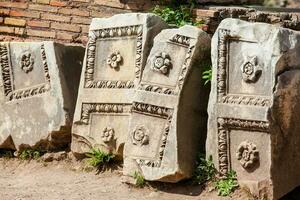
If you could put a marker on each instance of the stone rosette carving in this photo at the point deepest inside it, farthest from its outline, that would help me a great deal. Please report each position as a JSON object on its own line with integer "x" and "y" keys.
{"x": 27, "y": 62}
{"x": 108, "y": 134}
{"x": 114, "y": 60}
{"x": 162, "y": 63}
{"x": 251, "y": 69}
{"x": 247, "y": 154}
{"x": 140, "y": 136}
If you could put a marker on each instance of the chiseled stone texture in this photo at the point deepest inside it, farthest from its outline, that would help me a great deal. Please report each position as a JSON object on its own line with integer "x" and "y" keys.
{"x": 254, "y": 106}
{"x": 236, "y": 2}
{"x": 168, "y": 120}
{"x": 38, "y": 90}
{"x": 115, "y": 57}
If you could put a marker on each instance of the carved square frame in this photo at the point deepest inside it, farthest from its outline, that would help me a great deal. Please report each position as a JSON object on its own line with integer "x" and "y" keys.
{"x": 163, "y": 113}
{"x": 225, "y": 125}
{"x": 182, "y": 41}
{"x": 7, "y": 75}
{"x": 89, "y": 81}
{"x": 224, "y": 37}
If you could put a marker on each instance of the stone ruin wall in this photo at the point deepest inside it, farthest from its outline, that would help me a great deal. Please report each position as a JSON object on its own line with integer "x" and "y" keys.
{"x": 68, "y": 21}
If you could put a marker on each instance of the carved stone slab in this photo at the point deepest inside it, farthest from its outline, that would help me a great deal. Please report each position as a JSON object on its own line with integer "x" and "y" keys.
{"x": 38, "y": 89}
{"x": 115, "y": 57}
{"x": 254, "y": 105}
{"x": 168, "y": 120}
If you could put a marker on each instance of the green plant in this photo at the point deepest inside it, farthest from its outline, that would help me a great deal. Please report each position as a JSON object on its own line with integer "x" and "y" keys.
{"x": 227, "y": 185}
{"x": 207, "y": 76}
{"x": 205, "y": 170}
{"x": 97, "y": 158}
{"x": 28, "y": 154}
{"x": 139, "y": 179}
{"x": 176, "y": 15}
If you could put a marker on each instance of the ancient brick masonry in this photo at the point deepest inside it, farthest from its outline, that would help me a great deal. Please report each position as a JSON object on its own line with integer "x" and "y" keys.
{"x": 253, "y": 125}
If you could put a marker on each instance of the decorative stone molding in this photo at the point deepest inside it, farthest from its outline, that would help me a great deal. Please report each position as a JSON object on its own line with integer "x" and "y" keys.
{"x": 162, "y": 112}
{"x": 132, "y": 31}
{"x": 185, "y": 42}
{"x": 223, "y": 96}
{"x": 108, "y": 134}
{"x": 114, "y": 60}
{"x": 224, "y": 127}
{"x": 140, "y": 136}
{"x": 27, "y": 62}
{"x": 247, "y": 154}
{"x": 88, "y": 108}
{"x": 251, "y": 70}
{"x": 162, "y": 63}
{"x": 9, "y": 91}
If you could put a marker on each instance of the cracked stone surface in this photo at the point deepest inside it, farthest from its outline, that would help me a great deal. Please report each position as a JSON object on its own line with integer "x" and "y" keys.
{"x": 253, "y": 126}
{"x": 168, "y": 117}
{"x": 114, "y": 61}
{"x": 38, "y": 90}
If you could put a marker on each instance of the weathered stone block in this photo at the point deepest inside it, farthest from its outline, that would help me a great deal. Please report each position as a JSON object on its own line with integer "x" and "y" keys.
{"x": 254, "y": 105}
{"x": 38, "y": 90}
{"x": 223, "y": 2}
{"x": 115, "y": 58}
{"x": 167, "y": 126}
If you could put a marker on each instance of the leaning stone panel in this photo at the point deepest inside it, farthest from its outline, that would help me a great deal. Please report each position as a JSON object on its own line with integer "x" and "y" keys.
{"x": 168, "y": 119}
{"x": 113, "y": 65}
{"x": 254, "y": 105}
{"x": 38, "y": 89}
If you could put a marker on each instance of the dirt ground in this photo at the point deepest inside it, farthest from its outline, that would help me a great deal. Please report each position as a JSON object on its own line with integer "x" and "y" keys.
{"x": 66, "y": 180}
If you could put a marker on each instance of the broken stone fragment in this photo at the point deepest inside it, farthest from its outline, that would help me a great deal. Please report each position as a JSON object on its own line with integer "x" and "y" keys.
{"x": 254, "y": 106}
{"x": 114, "y": 61}
{"x": 38, "y": 90}
{"x": 168, "y": 116}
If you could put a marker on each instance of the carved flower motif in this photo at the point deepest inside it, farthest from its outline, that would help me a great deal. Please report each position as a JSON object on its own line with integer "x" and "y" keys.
{"x": 114, "y": 60}
{"x": 108, "y": 134}
{"x": 27, "y": 62}
{"x": 251, "y": 70}
{"x": 247, "y": 154}
{"x": 140, "y": 136}
{"x": 162, "y": 63}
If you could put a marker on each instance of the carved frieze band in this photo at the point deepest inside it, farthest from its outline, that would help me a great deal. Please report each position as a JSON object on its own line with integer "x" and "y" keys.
{"x": 223, "y": 97}
{"x": 186, "y": 43}
{"x": 88, "y": 108}
{"x": 136, "y": 31}
{"x": 224, "y": 127}
{"x": 165, "y": 113}
{"x": 7, "y": 76}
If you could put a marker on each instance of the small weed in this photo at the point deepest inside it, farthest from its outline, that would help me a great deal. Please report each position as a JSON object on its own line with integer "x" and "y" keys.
{"x": 207, "y": 75}
{"x": 98, "y": 158}
{"x": 227, "y": 185}
{"x": 205, "y": 170}
{"x": 139, "y": 179}
{"x": 177, "y": 15}
{"x": 28, "y": 154}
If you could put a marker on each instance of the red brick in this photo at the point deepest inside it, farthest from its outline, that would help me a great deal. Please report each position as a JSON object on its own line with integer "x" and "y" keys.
{"x": 19, "y": 31}
{"x": 43, "y": 1}
{"x": 110, "y": 3}
{"x": 43, "y": 8}
{"x": 81, "y": 20}
{"x": 13, "y": 5}
{"x": 40, "y": 33}
{"x": 57, "y": 3}
{"x": 1, "y": 20}
{"x": 21, "y": 13}
{"x": 6, "y": 29}
{"x": 65, "y": 36}
{"x": 84, "y": 29}
{"x": 35, "y": 23}
{"x": 54, "y": 17}
{"x": 4, "y": 12}
{"x": 205, "y": 13}
{"x": 65, "y": 27}
{"x": 14, "y": 21}
{"x": 86, "y": 1}
{"x": 101, "y": 14}
{"x": 73, "y": 11}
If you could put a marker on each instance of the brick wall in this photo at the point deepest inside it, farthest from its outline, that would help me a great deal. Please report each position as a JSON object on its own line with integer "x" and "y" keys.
{"x": 59, "y": 20}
